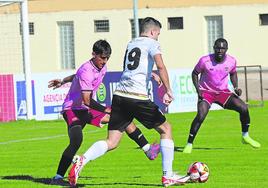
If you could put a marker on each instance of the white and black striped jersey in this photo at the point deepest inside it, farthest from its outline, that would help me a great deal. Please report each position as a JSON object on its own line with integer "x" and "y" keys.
{"x": 138, "y": 65}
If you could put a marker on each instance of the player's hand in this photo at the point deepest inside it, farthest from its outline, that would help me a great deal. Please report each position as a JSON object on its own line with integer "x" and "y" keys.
{"x": 157, "y": 79}
{"x": 56, "y": 83}
{"x": 107, "y": 110}
{"x": 168, "y": 98}
{"x": 105, "y": 119}
{"x": 238, "y": 91}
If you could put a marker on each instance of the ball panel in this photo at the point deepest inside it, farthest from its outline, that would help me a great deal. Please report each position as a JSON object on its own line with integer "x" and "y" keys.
{"x": 198, "y": 172}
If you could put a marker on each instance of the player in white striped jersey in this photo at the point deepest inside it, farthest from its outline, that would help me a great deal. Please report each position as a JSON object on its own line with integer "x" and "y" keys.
{"x": 138, "y": 67}
{"x": 131, "y": 100}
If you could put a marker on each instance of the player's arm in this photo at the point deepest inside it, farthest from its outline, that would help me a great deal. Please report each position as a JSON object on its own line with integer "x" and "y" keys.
{"x": 90, "y": 102}
{"x": 195, "y": 81}
{"x": 56, "y": 83}
{"x": 168, "y": 97}
{"x": 234, "y": 80}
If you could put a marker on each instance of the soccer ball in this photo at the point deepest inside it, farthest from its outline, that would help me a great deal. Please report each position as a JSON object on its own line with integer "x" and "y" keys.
{"x": 198, "y": 172}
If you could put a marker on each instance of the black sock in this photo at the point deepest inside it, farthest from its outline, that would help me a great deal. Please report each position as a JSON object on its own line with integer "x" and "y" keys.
{"x": 245, "y": 128}
{"x": 191, "y": 138}
{"x": 64, "y": 164}
{"x": 76, "y": 138}
{"x": 194, "y": 129}
{"x": 138, "y": 137}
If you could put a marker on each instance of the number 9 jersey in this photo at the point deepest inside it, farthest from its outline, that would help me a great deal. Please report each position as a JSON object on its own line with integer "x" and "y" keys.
{"x": 138, "y": 65}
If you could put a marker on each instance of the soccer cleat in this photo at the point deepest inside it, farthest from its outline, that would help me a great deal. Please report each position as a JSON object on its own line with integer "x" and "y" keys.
{"x": 248, "y": 140}
{"x": 75, "y": 170}
{"x": 174, "y": 179}
{"x": 188, "y": 148}
{"x": 60, "y": 182}
{"x": 152, "y": 153}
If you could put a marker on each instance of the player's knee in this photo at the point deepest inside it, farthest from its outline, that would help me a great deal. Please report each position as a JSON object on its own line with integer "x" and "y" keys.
{"x": 165, "y": 128}
{"x": 112, "y": 144}
{"x": 131, "y": 128}
{"x": 76, "y": 142}
{"x": 200, "y": 118}
{"x": 245, "y": 108}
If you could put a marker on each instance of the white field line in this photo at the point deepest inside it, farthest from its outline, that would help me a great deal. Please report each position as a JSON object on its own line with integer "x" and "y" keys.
{"x": 40, "y": 138}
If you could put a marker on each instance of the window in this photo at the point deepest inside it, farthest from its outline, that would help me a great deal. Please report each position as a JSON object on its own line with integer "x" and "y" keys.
{"x": 31, "y": 28}
{"x": 175, "y": 23}
{"x": 101, "y": 26}
{"x": 66, "y": 34}
{"x": 133, "y": 27}
{"x": 263, "y": 19}
{"x": 214, "y": 30}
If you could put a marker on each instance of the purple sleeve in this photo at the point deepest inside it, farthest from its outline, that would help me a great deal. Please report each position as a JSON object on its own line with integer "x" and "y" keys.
{"x": 233, "y": 70}
{"x": 199, "y": 66}
{"x": 85, "y": 81}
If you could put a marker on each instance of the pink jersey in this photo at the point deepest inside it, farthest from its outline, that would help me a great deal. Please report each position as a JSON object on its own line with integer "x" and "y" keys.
{"x": 88, "y": 78}
{"x": 214, "y": 76}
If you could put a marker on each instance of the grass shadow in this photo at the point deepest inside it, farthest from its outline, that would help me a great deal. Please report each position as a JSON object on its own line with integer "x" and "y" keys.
{"x": 180, "y": 149}
{"x": 126, "y": 184}
{"x": 46, "y": 181}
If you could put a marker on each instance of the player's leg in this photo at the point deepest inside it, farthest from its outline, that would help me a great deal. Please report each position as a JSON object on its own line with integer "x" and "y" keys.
{"x": 99, "y": 119}
{"x": 202, "y": 111}
{"x": 97, "y": 150}
{"x": 75, "y": 139}
{"x": 150, "y": 116}
{"x": 120, "y": 119}
{"x": 238, "y": 105}
{"x": 167, "y": 151}
{"x": 150, "y": 150}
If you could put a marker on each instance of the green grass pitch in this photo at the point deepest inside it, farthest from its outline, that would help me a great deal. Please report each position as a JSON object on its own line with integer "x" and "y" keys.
{"x": 30, "y": 151}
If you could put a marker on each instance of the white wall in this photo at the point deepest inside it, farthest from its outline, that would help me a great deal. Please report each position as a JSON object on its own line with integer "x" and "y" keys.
{"x": 181, "y": 48}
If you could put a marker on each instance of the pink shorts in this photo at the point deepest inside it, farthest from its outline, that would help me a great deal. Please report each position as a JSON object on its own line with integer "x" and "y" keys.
{"x": 220, "y": 97}
{"x": 83, "y": 117}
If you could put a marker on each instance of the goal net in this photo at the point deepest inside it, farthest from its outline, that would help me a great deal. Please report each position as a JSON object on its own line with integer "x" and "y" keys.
{"x": 15, "y": 75}
{"x": 250, "y": 80}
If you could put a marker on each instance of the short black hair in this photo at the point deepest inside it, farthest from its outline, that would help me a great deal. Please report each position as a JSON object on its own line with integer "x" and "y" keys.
{"x": 148, "y": 22}
{"x": 102, "y": 47}
{"x": 221, "y": 40}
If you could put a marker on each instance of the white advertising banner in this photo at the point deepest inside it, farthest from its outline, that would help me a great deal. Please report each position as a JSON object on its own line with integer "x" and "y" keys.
{"x": 46, "y": 101}
{"x": 185, "y": 97}
{"x": 49, "y": 101}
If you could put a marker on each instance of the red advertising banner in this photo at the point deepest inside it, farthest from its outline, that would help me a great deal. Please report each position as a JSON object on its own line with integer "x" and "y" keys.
{"x": 7, "y": 104}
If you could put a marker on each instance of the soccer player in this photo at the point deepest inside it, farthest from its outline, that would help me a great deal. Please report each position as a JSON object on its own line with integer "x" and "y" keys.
{"x": 212, "y": 87}
{"x": 130, "y": 100}
{"x": 79, "y": 108}
{"x": 100, "y": 118}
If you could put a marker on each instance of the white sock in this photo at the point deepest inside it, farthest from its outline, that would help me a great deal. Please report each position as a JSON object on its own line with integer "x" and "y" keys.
{"x": 96, "y": 150}
{"x": 167, "y": 151}
{"x": 146, "y": 147}
{"x": 244, "y": 133}
{"x": 189, "y": 144}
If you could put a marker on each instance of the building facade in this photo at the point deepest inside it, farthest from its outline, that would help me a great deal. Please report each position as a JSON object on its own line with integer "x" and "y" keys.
{"x": 62, "y": 34}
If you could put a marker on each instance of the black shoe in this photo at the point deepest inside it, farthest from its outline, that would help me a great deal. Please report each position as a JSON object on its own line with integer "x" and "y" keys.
{"x": 59, "y": 182}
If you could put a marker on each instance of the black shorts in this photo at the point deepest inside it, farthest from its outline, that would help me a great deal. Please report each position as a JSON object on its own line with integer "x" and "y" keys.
{"x": 124, "y": 110}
